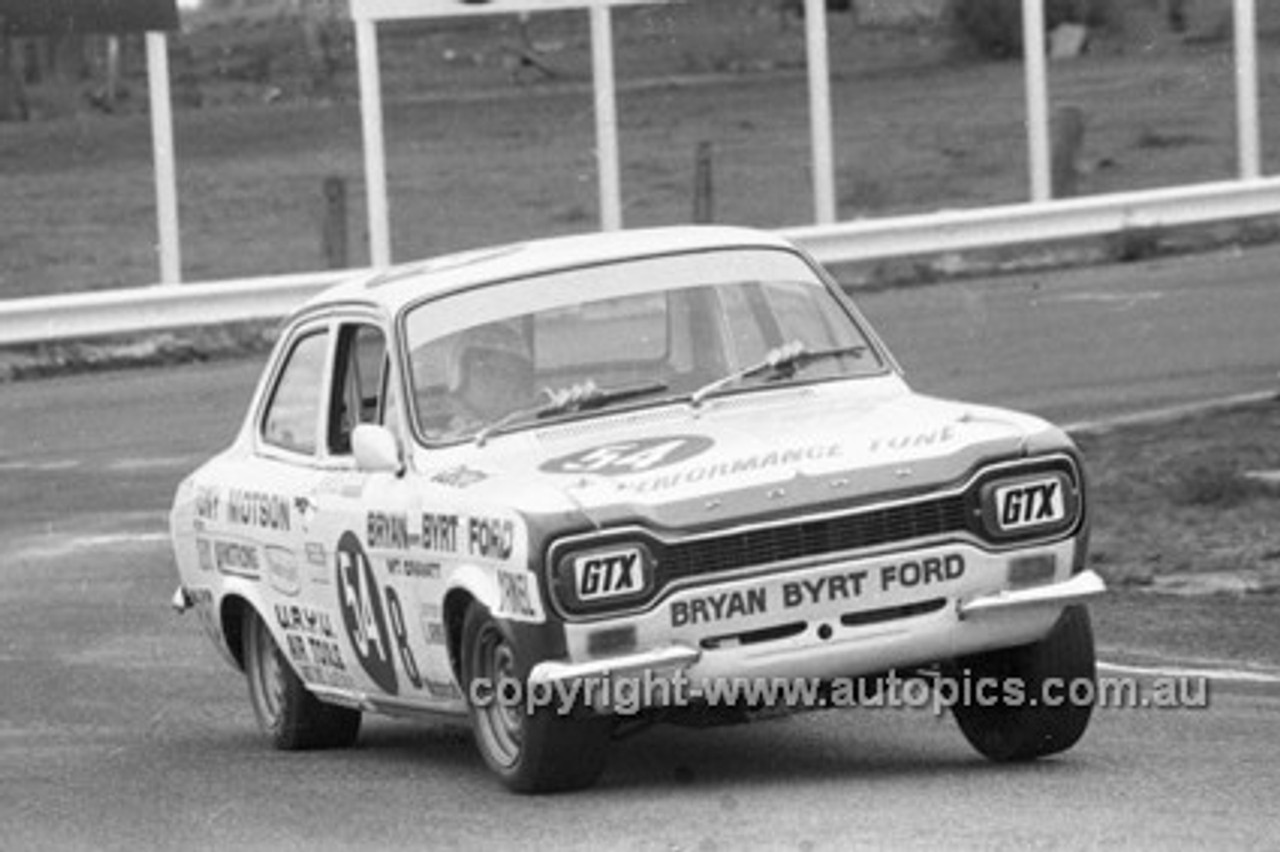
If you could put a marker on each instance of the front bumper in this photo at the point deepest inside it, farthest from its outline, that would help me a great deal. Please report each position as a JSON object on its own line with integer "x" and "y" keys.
{"x": 754, "y": 635}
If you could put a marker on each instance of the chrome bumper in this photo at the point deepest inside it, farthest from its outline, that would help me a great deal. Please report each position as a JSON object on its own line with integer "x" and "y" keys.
{"x": 1082, "y": 586}
{"x": 676, "y": 657}
{"x": 666, "y": 659}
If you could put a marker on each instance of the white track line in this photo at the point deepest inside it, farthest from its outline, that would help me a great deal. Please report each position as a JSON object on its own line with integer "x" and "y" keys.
{"x": 1233, "y": 675}
{"x": 1174, "y": 412}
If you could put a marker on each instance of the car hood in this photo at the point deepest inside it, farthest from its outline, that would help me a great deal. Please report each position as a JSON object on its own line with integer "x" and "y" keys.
{"x": 746, "y": 455}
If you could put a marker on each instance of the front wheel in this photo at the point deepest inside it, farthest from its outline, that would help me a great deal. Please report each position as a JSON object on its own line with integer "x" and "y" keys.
{"x": 1040, "y": 696}
{"x": 535, "y": 750}
{"x": 287, "y": 712}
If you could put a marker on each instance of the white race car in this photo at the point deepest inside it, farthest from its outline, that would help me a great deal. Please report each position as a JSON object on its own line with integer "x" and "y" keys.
{"x": 648, "y": 475}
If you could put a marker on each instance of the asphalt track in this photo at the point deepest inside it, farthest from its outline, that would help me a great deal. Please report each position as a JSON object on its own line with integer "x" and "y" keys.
{"x": 121, "y": 729}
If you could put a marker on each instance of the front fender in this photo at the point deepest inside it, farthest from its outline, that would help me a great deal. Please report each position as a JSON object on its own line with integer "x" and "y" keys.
{"x": 508, "y": 592}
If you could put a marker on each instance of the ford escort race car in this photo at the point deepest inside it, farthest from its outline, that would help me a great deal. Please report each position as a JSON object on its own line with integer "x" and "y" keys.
{"x": 481, "y": 483}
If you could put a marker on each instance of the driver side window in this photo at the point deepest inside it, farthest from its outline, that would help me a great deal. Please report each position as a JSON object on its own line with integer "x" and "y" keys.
{"x": 359, "y": 384}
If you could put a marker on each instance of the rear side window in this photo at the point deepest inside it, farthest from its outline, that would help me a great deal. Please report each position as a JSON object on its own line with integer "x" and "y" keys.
{"x": 292, "y": 418}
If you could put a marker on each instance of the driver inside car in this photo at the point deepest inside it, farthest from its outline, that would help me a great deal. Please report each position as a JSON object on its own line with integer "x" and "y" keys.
{"x": 489, "y": 370}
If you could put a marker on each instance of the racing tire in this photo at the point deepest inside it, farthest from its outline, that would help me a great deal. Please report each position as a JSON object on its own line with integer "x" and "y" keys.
{"x": 1019, "y": 725}
{"x": 542, "y": 751}
{"x": 291, "y": 717}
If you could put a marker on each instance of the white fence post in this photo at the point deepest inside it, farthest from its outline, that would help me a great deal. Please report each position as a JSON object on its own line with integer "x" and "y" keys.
{"x": 824, "y": 195}
{"x": 607, "y": 158}
{"x": 1037, "y": 84}
{"x": 165, "y": 161}
{"x": 375, "y": 151}
{"x": 1248, "y": 143}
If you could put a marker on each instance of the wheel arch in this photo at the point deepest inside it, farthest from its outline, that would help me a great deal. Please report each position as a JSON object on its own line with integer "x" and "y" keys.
{"x": 456, "y": 604}
{"x": 231, "y": 621}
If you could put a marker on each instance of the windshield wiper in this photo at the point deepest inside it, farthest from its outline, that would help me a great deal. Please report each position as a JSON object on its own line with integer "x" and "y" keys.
{"x": 587, "y": 396}
{"x": 782, "y": 362}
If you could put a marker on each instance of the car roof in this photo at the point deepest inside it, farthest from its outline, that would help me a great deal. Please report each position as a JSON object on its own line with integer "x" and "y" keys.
{"x": 393, "y": 287}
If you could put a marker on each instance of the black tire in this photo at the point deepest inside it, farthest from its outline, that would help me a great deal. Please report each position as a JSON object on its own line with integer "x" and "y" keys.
{"x": 291, "y": 717}
{"x": 1023, "y": 727}
{"x": 540, "y": 752}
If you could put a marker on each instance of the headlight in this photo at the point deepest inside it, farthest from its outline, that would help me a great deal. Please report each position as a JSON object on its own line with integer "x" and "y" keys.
{"x": 1029, "y": 505}
{"x": 605, "y": 577}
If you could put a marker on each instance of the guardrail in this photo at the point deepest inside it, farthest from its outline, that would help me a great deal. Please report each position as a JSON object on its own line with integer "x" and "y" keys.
{"x": 81, "y": 315}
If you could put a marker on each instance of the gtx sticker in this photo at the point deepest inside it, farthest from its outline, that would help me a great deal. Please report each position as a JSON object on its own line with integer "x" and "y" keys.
{"x": 1030, "y": 504}
{"x": 630, "y": 457}
{"x": 599, "y": 576}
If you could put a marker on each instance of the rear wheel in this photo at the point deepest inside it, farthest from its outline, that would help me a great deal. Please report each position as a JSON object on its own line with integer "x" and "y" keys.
{"x": 288, "y": 714}
{"x": 535, "y": 751}
{"x": 1019, "y": 724}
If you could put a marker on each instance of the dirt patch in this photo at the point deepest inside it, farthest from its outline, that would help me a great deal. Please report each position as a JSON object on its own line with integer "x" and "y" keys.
{"x": 1175, "y": 507}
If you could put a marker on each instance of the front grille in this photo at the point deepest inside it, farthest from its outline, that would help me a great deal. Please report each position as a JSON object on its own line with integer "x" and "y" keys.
{"x": 813, "y": 538}
{"x": 781, "y": 544}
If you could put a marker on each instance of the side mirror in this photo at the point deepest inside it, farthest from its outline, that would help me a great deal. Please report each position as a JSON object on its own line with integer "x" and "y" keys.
{"x": 376, "y": 449}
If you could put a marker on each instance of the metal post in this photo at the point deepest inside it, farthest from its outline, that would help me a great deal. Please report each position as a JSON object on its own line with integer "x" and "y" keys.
{"x": 1037, "y": 86}
{"x": 704, "y": 205}
{"x": 815, "y": 27}
{"x": 333, "y": 235}
{"x": 375, "y": 155}
{"x": 165, "y": 162}
{"x": 1248, "y": 143}
{"x": 606, "y": 118}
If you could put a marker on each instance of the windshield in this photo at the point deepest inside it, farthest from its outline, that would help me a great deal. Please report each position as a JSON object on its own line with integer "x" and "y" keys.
{"x": 623, "y": 334}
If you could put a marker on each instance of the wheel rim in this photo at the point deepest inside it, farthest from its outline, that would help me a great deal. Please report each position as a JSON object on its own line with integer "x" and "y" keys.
{"x": 268, "y": 675}
{"x": 500, "y": 723}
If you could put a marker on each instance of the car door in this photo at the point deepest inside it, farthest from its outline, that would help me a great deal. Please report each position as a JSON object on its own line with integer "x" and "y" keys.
{"x": 288, "y": 465}
{"x": 385, "y": 593}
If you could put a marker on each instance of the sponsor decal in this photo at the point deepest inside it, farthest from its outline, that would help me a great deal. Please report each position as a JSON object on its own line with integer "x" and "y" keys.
{"x": 388, "y": 531}
{"x": 311, "y": 642}
{"x": 440, "y": 533}
{"x": 316, "y": 554}
{"x": 514, "y": 594}
{"x": 258, "y": 509}
{"x": 599, "y": 576}
{"x": 486, "y": 538}
{"x": 282, "y": 571}
{"x": 491, "y": 538}
{"x": 912, "y": 440}
{"x": 717, "y": 607}
{"x": 459, "y": 477}
{"x": 208, "y": 500}
{"x": 429, "y": 617}
{"x": 1029, "y": 504}
{"x": 772, "y": 460}
{"x": 625, "y": 458}
{"x": 237, "y": 559}
{"x": 414, "y": 569}
{"x": 204, "y": 554}
{"x": 813, "y": 591}
{"x": 434, "y": 631}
